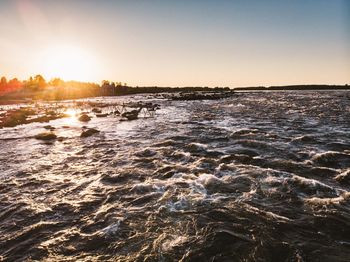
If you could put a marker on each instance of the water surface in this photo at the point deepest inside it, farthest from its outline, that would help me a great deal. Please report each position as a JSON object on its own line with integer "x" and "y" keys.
{"x": 256, "y": 177}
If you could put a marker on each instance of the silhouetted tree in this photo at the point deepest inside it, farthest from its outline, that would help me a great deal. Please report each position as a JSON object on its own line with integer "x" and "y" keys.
{"x": 3, "y": 81}
{"x": 13, "y": 85}
{"x": 105, "y": 83}
{"x": 40, "y": 81}
{"x": 56, "y": 82}
{"x": 29, "y": 84}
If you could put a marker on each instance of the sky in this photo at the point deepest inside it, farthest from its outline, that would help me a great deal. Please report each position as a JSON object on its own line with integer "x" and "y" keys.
{"x": 178, "y": 43}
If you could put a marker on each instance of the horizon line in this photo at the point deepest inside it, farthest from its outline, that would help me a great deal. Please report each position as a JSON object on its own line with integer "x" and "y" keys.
{"x": 177, "y": 86}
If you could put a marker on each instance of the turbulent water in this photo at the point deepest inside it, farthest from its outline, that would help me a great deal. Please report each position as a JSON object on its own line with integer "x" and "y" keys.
{"x": 256, "y": 177}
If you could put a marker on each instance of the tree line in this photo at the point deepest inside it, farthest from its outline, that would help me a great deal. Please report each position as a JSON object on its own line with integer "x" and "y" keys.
{"x": 36, "y": 87}
{"x": 56, "y": 88}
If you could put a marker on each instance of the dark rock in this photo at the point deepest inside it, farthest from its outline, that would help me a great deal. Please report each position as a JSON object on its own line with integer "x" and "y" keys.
{"x": 131, "y": 115}
{"x": 46, "y": 136}
{"x": 48, "y": 127}
{"x": 188, "y": 96}
{"x": 101, "y": 115}
{"x": 89, "y": 132}
{"x": 96, "y": 110}
{"x": 84, "y": 118}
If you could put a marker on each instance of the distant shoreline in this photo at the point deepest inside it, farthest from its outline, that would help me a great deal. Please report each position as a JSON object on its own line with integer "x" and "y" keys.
{"x": 289, "y": 90}
{"x": 294, "y": 88}
{"x": 28, "y": 97}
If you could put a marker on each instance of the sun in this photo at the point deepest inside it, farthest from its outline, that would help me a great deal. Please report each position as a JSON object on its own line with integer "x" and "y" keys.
{"x": 68, "y": 63}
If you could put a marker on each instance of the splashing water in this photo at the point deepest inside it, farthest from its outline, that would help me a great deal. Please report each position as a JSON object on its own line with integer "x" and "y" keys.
{"x": 257, "y": 177}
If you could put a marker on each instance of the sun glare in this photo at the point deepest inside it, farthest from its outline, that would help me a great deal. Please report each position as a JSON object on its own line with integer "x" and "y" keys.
{"x": 71, "y": 112}
{"x": 68, "y": 63}
{"x": 71, "y": 116}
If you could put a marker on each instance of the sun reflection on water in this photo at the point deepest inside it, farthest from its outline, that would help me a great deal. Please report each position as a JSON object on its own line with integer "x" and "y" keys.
{"x": 71, "y": 112}
{"x": 72, "y": 115}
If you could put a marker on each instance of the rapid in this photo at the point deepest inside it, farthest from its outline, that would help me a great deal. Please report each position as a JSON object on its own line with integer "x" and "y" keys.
{"x": 259, "y": 176}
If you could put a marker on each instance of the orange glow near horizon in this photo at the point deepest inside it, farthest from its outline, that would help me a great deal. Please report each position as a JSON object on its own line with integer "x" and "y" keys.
{"x": 68, "y": 63}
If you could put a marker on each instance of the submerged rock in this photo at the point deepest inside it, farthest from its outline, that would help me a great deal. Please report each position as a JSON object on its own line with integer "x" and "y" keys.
{"x": 89, "y": 132}
{"x": 84, "y": 118}
{"x": 46, "y": 136}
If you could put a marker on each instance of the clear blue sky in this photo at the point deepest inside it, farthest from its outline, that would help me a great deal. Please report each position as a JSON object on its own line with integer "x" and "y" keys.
{"x": 178, "y": 43}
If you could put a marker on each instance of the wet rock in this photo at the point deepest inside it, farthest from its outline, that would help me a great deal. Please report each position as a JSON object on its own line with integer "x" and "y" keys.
{"x": 13, "y": 118}
{"x": 48, "y": 127}
{"x": 188, "y": 96}
{"x": 132, "y": 115}
{"x": 84, "y": 118}
{"x": 96, "y": 110}
{"x": 46, "y": 136}
{"x": 101, "y": 115}
{"x": 89, "y": 132}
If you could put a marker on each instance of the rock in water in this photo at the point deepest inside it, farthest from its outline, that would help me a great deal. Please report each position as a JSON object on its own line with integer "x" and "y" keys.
{"x": 46, "y": 136}
{"x": 96, "y": 110}
{"x": 132, "y": 115}
{"x": 101, "y": 115}
{"x": 89, "y": 132}
{"x": 48, "y": 127}
{"x": 84, "y": 118}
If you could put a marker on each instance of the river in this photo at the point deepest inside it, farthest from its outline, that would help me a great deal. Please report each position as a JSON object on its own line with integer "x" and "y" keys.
{"x": 257, "y": 177}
